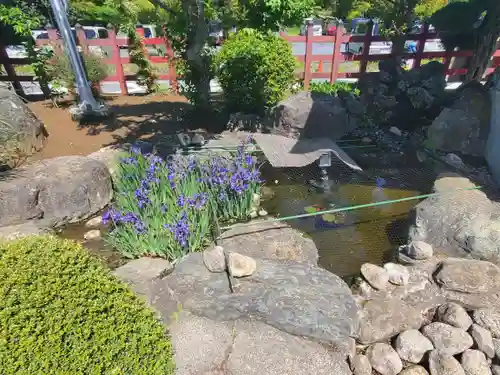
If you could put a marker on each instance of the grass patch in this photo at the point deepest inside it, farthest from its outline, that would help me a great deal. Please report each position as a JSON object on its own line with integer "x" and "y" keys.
{"x": 169, "y": 208}
{"x": 62, "y": 312}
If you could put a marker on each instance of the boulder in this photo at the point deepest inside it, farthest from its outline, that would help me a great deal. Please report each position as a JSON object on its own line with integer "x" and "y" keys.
{"x": 384, "y": 359}
{"x": 474, "y": 363}
{"x": 463, "y": 223}
{"x": 110, "y": 156}
{"x": 496, "y": 345}
{"x": 204, "y": 346}
{"x": 327, "y": 311}
{"x": 483, "y": 340}
{"x": 61, "y": 190}
{"x": 489, "y": 319}
{"x": 454, "y": 315}
{"x": 30, "y": 228}
{"x": 312, "y": 115}
{"x": 143, "y": 270}
{"x": 442, "y": 364}
{"x": 270, "y": 240}
{"x": 446, "y": 339}
{"x": 411, "y": 346}
{"x": 360, "y": 365}
{"x": 495, "y": 370}
{"x": 18, "y": 123}
{"x": 465, "y": 126}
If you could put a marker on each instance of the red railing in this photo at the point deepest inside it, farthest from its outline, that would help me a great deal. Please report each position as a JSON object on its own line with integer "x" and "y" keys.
{"x": 335, "y": 60}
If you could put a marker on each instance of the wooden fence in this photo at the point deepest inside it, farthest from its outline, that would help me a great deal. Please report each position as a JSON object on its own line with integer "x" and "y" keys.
{"x": 313, "y": 65}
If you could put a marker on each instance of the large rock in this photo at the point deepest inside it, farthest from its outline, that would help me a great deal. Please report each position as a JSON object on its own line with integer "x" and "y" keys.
{"x": 411, "y": 346}
{"x": 468, "y": 276}
{"x": 360, "y": 365}
{"x": 483, "y": 340}
{"x": 384, "y": 359}
{"x": 446, "y": 339}
{"x": 327, "y": 311}
{"x": 19, "y": 123}
{"x": 474, "y": 363}
{"x": 204, "y": 346}
{"x": 489, "y": 319}
{"x": 312, "y": 115}
{"x": 454, "y": 315}
{"x": 461, "y": 223}
{"x": 414, "y": 370}
{"x": 464, "y": 127}
{"x": 270, "y": 240}
{"x": 61, "y": 190}
{"x": 441, "y": 364}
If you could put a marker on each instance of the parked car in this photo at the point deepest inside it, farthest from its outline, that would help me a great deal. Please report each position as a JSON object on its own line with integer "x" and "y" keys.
{"x": 216, "y": 32}
{"x": 317, "y": 26}
{"x": 359, "y": 27}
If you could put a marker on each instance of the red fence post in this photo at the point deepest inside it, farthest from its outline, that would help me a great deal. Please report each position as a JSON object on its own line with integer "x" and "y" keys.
{"x": 336, "y": 54}
{"x": 422, "y": 38}
{"x": 308, "y": 56}
{"x": 117, "y": 60}
{"x": 367, "y": 40}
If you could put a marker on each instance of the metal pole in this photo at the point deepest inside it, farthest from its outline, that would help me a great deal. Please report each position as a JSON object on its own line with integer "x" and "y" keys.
{"x": 88, "y": 104}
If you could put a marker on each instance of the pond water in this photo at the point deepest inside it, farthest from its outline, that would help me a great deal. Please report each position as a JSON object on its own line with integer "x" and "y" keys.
{"x": 347, "y": 240}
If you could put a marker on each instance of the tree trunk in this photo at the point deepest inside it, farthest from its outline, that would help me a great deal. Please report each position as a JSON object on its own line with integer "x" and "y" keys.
{"x": 486, "y": 43}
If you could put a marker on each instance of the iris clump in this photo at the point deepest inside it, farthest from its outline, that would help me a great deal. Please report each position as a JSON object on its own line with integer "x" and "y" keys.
{"x": 168, "y": 208}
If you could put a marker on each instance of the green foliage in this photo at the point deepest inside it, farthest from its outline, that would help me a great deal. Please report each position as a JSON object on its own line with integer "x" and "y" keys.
{"x": 255, "y": 70}
{"x": 333, "y": 89}
{"x": 62, "y": 312}
{"x": 275, "y": 14}
{"x": 169, "y": 208}
{"x": 137, "y": 52}
{"x": 60, "y": 71}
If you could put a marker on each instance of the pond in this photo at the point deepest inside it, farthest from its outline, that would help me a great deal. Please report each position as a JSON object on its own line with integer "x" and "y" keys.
{"x": 347, "y": 240}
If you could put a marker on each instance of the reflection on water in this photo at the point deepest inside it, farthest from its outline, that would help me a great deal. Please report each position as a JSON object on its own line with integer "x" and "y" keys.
{"x": 347, "y": 240}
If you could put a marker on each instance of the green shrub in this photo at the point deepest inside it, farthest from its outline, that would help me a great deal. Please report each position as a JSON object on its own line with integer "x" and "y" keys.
{"x": 168, "y": 208}
{"x": 255, "y": 70}
{"x": 60, "y": 73}
{"x": 333, "y": 88}
{"x": 62, "y": 312}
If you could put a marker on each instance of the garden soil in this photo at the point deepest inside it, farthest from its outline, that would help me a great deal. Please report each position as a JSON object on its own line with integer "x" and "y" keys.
{"x": 148, "y": 118}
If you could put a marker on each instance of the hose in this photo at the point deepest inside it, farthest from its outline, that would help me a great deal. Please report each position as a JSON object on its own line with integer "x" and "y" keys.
{"x": 349, "y": 208}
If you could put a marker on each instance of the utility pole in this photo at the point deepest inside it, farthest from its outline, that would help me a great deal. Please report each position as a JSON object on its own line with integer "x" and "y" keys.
{"x": 88, "y": 106}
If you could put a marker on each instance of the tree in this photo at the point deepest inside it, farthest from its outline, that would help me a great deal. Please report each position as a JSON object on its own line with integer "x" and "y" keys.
{"x": 471, "y": 25}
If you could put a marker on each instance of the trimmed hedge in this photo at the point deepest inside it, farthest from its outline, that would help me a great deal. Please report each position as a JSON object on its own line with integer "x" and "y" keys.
{"x": 62, "y": 312}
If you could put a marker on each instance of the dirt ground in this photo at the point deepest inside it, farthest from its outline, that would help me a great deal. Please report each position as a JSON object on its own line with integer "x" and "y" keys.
{"x": 150, "y": 117}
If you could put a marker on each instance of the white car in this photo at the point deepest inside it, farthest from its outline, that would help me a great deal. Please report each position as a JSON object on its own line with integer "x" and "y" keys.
{"x": 376, "y": 48}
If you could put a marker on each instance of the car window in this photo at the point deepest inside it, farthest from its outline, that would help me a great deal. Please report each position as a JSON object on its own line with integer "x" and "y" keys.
{"x": 42, "y": 36}
{"x": 361, "y": 28}
{"x": 147, "y": 32}
{"x": 103, "y": 33}
{"x": 90, "y": 34}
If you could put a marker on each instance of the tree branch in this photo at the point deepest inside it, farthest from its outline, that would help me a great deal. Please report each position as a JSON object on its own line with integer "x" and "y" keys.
{"x": 162, "y": 5}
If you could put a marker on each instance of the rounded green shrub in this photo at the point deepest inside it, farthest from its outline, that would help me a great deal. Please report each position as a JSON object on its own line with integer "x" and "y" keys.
{"x": 255, "y": 70}
{"x": 62, "y": 312}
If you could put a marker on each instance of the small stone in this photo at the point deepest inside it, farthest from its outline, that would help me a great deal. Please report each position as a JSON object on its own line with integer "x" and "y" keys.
{"x": 420, "y": 250}
{"x": 474, "y": 363}
{"x": 414, "y": 370}
{"x": 440, "y": 364}
{"x": 495, "y": 369}
{"x": 214, "y": 259}
{"x": 454, "y": 160}
{"x": 454, "y": 315}
{"x": 398, "y": 274}
{"x": 361, "y": 365}
{"x": 489, "y": 319}
{"x": 384, "y": 359}
{"x": 92, "y": 235}
{"x": 366, "y": 140}
{"x": 95, "y": 222}
{"x": 253, "y": 214}
{"x": 255, "y": 200}
{"x": 262, "y": 212}
{"x": 447, "y": 339}
{"x": 395, "y": 131}
{"x": 482, "y": 340}
{"x": 411, "y": 346}
{"x": 241, "y": 265}
{"x": 376, "y": 276}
